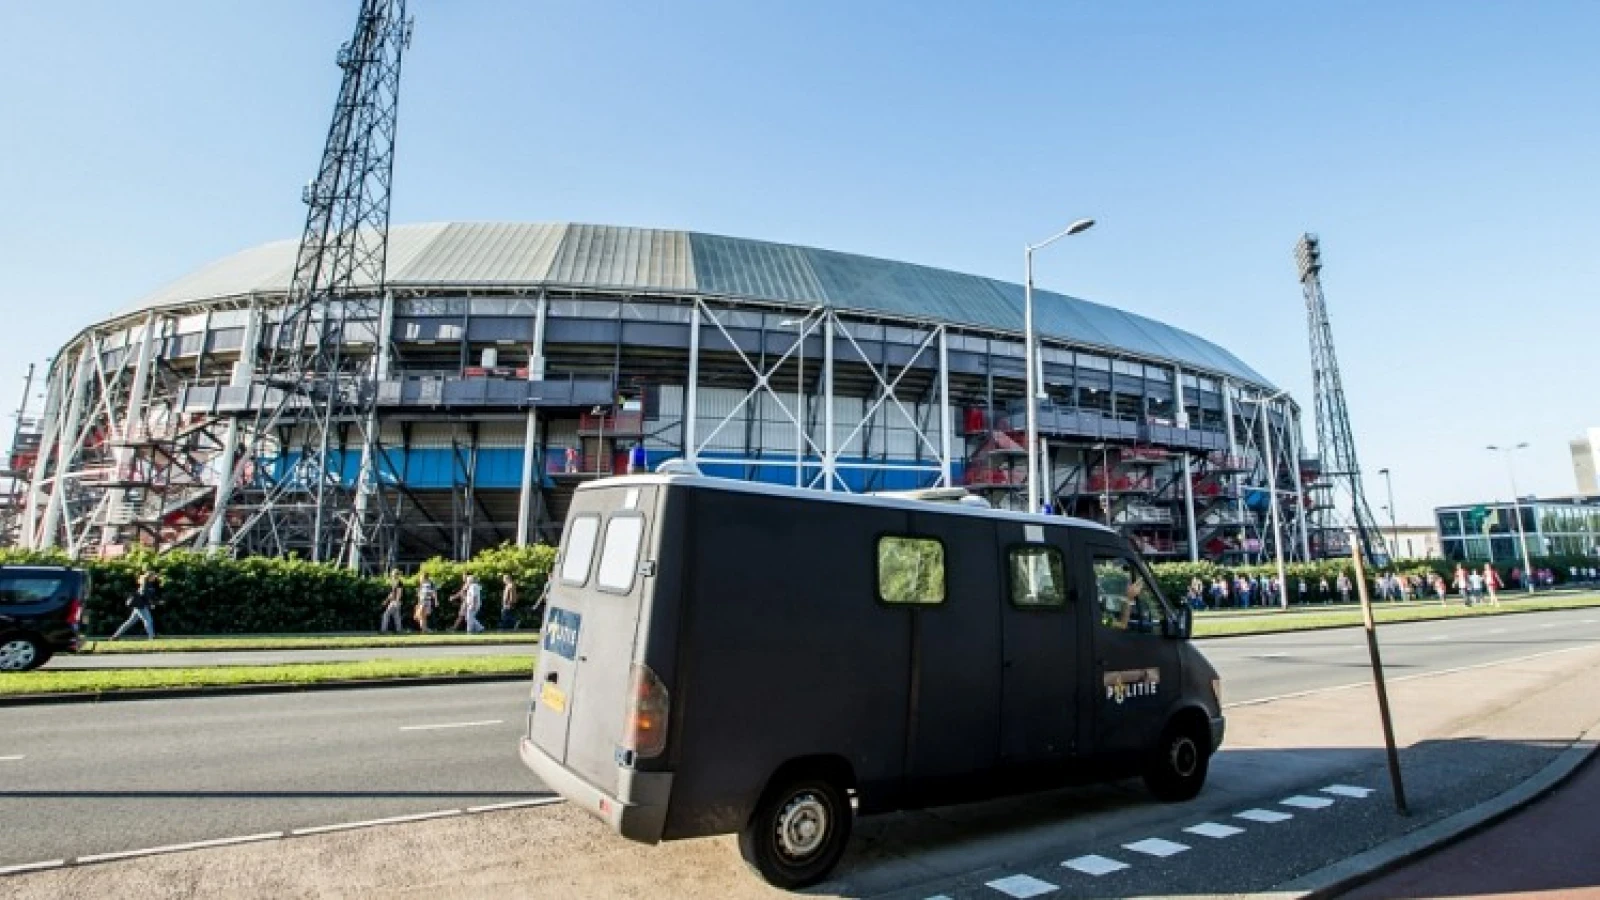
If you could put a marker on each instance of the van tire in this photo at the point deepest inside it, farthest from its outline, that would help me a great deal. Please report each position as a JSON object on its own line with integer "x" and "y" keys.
{"x": 798, "y": 831}
{"x": 1177, "y": 767}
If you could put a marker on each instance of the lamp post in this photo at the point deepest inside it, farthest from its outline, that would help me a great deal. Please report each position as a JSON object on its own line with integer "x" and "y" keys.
{"x": 1272, "y": 495}
{"x": 1394, "y": 529}
{"x": 1031, "y": 355}
{"x": 1516, "y": 510}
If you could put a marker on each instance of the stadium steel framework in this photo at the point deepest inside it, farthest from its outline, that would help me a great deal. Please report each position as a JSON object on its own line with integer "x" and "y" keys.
{"x": 513, "y": 361}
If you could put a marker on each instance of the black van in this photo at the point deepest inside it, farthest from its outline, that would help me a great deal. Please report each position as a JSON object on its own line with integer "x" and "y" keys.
{"x": 41, "y": 609}
{"x": 720, "y": 656}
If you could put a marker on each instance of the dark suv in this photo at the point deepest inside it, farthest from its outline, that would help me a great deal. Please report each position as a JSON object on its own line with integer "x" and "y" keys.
{"x": 41, "y": 608}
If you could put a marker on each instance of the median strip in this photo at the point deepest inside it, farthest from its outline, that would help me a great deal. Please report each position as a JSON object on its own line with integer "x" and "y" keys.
{"x": 212, "y": 643}
{"x": 1224, "y": 623}
{"x": 108, "y": 682}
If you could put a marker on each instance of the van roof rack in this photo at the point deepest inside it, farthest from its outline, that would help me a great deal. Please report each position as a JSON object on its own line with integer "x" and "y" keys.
{"x": 938, "y": 495}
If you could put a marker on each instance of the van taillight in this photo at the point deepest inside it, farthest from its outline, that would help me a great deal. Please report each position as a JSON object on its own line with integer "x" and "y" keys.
{"x": 645, "y": 732}
{"x": 74, "y": 612}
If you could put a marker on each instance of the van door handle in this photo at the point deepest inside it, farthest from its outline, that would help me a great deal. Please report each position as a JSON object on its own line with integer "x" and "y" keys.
{"x": 550, "y": 677}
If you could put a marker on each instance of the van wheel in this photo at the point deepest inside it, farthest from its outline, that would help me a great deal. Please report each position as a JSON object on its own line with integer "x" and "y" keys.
{"x": 798, "y": 832}
{"x": 1177, "y": 768}
{"x": 20, "y": 654}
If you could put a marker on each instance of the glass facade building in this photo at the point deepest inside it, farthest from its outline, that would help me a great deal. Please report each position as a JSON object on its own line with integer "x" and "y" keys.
{"x": 1558, "y": 526}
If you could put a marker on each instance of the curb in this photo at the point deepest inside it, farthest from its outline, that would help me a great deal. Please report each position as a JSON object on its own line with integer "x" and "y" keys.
{"x": 248, "y": 689}
{"x": 1382, "y": 624}
{"x": 1348, "y": 874}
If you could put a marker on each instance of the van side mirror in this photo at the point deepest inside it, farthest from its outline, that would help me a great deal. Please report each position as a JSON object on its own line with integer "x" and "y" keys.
{"x": 1181, "y": 625}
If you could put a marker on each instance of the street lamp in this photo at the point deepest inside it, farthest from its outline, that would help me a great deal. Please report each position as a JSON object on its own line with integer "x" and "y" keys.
{"x": 1272, "y": 495}
{"x": 1516, "y": 510}
{"x": 1031, "y": 355}
{"x": 1394, "y": 529}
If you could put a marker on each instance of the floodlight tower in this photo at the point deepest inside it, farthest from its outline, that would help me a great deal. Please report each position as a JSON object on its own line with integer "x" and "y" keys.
{"x": 308, "y": 479}
{"x": 1335, "y": 441}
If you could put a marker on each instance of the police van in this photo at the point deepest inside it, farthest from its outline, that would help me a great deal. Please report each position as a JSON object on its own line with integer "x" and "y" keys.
{"x": 721, "y": 656}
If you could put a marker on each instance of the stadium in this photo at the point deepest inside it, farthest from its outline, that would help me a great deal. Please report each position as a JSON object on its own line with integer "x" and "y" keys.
{"x": 511, "y": 362}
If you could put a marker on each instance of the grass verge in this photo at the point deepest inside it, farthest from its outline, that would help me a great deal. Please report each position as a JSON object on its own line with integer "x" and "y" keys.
{"x": 88, "y": 681}
{"x": 1386, "y": 614}
{"x": 306, "y": 642}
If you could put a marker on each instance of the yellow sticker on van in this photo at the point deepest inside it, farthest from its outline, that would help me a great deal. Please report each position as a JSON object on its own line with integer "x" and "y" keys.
{"x": 553, "y": 697}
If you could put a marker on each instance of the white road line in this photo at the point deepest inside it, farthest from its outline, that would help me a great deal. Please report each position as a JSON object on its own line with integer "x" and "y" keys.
{"x": 1214, "y": 830}
{"x": 517, "y": 804}
{"x": 32, "y": 867}
{"x": 1266, "y": 816}
{"x": 938, "y": 897}
{"x": 1021, "y": 886}
{"x": 1440, "y": 637}
{"x": 1156, "y": 847}
{"x": 175, "y": 848}
{"x": 1094, "y": 865}
{"x": 392, "y": 820}
{"x": 1497, "y": 631}
{"x": 19, "y": 757}
{"x": 1590, "y": 621}
{"x": 1345, "y": 790}
{"x": 1549, "y": 624}
{"x": 1303, "y": 802}
{"x": 451, "y": 725}
{"x": 1269, "y": 656}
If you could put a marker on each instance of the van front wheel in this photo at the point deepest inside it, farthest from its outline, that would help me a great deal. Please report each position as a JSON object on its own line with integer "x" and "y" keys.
{"x": 1177, "y": 767}
{"x": 798, "y": 832}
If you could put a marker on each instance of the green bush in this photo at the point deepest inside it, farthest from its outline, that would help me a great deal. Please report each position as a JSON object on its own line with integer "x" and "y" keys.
{"x": 205, "y": 594}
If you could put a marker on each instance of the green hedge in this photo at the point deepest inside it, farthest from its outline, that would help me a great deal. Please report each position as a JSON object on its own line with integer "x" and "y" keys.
{"x": 1173, "y": 578}
{"x": 204, "y": 594}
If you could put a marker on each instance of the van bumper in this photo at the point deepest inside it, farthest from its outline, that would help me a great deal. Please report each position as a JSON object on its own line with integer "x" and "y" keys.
{"x": 641, "y": 822}
{"x": 1218, "y": 726}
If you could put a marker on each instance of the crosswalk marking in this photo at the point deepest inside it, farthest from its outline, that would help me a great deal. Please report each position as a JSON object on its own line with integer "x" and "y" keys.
{"x": 1264, "y": 815}
{"x": 1345, "y": 790}
{"x": 1304, "y": 802}
{"x": 1214, "y": 830}
{"x": 1095, "y": 865}
{"x": 1156, "y": 847}
{"x": 1021, "y": 886}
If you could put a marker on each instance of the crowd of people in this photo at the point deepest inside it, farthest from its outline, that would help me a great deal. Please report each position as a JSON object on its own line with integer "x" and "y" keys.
{"x": 1471, "y": 585}
{"x": 470, "y": 605}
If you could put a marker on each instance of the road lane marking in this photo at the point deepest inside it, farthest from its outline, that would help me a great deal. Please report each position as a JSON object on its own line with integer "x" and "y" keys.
{"x": 1266, "y": 816}
{"x": 1303, "y": 802}
{"x": 1497, "y": 631}
{"x": 19, "y": 757}
{"x": 1021, "y": 886}
{"x": 516, "y": 804}
{"x": 176, "y": 848}
{"x": 1156, "y": 847}
{"x": 1269, "y": 656}
{"x": 1214, "y": 830}
{"x": 1590, "y": 621}
{"x": 1094, "y": 865}
{"x": 1439, "y": 637}
{"x": 391, "y": 820}
{"x": 1345, "y": 790}
{"x": 32, "y": 867}
{"x": 451, "y": 725}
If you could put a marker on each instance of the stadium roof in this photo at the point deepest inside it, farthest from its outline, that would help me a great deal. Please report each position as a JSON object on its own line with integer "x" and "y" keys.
{"x": 478, "y": 255}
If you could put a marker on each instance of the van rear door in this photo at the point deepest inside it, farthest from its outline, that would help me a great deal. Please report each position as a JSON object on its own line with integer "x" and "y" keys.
{"x": 587, "y": 652}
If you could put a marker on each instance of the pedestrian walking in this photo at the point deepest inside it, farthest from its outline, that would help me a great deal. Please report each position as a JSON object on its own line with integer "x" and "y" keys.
{"x": 1492, "y": 582}
{"x": 145, "y": 597}
{"x": 1322, "y": 590}
{"x": 1439, "y": 588}
{"x": 508, "y": 604}
{"x": 1462, "y": 585}
{"x": 1303, "y": 595}
{"x": 1243, "y": 590}
{"x": 392, "y": 604}
{"x": 1344, "y": 588}
{"x": 1475, "y": 585}
{"x": 471, "y": 601}
{"x": 427, "y": 602}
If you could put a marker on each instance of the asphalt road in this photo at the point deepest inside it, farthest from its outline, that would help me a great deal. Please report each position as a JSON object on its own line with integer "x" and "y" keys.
{"x": 81, "y": 779}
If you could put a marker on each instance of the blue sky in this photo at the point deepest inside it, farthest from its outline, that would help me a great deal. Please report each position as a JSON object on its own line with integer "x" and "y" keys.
{"x": 1445, "y": 152}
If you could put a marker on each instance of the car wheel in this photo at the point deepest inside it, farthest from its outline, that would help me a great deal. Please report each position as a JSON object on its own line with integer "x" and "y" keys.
{"x": 1177, "y": 767}
{"x": 20, "y": 654}
{"x": 798, "y": 832}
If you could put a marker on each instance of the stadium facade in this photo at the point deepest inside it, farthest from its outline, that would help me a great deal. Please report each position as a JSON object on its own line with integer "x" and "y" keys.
{"x": 510, "y": 362}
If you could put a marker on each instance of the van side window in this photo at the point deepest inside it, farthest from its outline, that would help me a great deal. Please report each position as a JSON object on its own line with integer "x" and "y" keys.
{"x": 1038, "y": 578}
{"x": 619, "y": 558}
{"x": 1127, "y": 602}
{"x": 910, "y": 570}
{"x": 579, "y": 551}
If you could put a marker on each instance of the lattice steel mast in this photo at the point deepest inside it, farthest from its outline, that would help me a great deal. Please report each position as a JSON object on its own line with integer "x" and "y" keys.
{"x": 308, "y": 482}
{"x": 1335, "y": 441}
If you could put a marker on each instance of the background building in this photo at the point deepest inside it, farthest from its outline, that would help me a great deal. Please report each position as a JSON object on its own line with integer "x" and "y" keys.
{"x": 512, "y": 361}
{"x": 1586, "y": 462}
{"x": 1556, "y": 526}
{"x": 1412, "y": 541}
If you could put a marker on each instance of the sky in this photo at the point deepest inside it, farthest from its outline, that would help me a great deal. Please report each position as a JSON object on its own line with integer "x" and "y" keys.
{"x": 1445, "y": 152}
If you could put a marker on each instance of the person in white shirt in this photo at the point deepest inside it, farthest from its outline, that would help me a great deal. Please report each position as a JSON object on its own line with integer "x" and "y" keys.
{"x": 471, "y": 597}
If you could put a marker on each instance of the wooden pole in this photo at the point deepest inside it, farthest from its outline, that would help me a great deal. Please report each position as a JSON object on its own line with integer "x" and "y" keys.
{"x": 1377, "y": 679}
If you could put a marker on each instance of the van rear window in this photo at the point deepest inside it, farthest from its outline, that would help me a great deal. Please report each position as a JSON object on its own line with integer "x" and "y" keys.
{"x": 580, "y": 549}
{"x": 24, "y": 589}
{"x": 619, "y": 558}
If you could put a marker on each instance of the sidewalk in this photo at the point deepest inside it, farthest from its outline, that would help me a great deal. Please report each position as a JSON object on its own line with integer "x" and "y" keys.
{"x": 1551, "y": 847}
